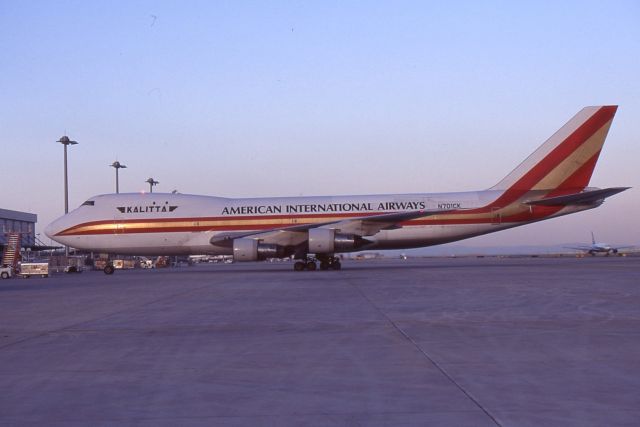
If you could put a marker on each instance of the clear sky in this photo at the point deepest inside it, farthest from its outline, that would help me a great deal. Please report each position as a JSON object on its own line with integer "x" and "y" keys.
{"x": 313, "y": 98}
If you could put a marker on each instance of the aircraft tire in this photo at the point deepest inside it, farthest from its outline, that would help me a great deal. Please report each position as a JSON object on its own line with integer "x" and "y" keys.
{"x": 336, "y": 265}
{"x": 311, "y": 266}
{"x": 5, "y": 275}
{"x": 324, "y": 265}
{"x": 299, "y": 266}
{"x": 109, "y": 269}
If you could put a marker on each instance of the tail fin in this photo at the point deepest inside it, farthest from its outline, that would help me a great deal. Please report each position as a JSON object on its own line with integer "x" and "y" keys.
{"x": 593, "y": 239}
{"x": 567, "y": 159}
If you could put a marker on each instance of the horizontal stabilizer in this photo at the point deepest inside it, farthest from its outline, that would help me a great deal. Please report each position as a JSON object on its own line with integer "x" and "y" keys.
{"x": 584, "y": 197}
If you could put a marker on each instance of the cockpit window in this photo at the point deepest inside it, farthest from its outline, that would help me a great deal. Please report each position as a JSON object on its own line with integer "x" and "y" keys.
{"x": 89, "y": 203}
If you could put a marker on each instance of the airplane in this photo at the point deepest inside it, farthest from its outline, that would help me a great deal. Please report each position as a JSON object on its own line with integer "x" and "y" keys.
{"x": 596, "y": 248}
{"x": 551, "y": 182}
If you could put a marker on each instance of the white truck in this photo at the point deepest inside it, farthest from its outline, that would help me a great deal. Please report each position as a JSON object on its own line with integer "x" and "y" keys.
{"x": 6, "y": 272}
{"x": 74, "y": 264}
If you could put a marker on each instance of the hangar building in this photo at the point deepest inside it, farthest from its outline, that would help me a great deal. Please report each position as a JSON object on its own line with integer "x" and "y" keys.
{"x": 18, "y": 222}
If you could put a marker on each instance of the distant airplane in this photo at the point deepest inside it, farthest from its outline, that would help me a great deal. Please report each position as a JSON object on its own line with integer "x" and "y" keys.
{"x": 596, "y": 248}
{"x": 550, "y": 183}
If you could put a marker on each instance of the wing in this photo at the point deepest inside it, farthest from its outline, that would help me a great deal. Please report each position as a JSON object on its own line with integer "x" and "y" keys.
{"x": 365, "y": 225}
{"x": 580, "y": 248}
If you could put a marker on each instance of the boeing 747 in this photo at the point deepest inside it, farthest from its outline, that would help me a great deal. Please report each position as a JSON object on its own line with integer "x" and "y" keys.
{"x": 599, "y": 248}
{"x": 551, "y": 182}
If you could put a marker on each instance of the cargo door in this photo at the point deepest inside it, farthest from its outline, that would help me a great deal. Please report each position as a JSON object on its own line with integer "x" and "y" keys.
{"x": 496, "y": 216}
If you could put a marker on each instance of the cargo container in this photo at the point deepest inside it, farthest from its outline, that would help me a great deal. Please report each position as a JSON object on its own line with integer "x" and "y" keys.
{"x": 28, "y": 269}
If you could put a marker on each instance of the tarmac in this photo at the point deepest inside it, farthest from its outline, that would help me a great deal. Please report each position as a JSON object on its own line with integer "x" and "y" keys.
{"x": 418, "y": 342}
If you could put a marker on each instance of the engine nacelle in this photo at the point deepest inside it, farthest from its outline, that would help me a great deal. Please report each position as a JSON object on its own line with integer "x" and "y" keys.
{"x": 327, "y": 241}
{"x": 253, "y": 250}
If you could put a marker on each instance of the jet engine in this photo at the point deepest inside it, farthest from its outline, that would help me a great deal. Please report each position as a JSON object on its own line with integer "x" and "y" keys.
{"x": 252, "y": 250}
{"x": 327, "y": 241}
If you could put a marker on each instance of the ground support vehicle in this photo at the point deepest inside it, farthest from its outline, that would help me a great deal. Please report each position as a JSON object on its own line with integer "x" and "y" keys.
{"x": 6, "y": 272}
{"x": 28, "y": 269}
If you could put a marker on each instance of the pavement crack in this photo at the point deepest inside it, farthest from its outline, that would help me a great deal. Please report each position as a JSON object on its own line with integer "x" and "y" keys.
{"x": 426, "y": 355}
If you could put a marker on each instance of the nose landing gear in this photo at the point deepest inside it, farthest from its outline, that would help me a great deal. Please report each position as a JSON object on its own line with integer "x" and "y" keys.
{"x": 109, "y": 269}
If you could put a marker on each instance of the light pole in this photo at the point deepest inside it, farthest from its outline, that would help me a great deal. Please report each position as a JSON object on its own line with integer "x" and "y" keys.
{"x": 64, "y": 140}
{"x": 151, "y": 182}
{"x": 117, "y": 165}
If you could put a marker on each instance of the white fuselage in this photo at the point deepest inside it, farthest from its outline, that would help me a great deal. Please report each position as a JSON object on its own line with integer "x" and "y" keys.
{"x": 178, "y": 224}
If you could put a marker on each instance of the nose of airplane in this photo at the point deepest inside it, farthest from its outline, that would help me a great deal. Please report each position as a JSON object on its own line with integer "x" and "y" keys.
{"x": 53, "y": 228}
{"x": 49, "y": 230}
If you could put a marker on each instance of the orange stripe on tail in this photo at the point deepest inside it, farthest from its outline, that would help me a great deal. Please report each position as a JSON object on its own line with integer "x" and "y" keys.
{"x": 575, "y": 147}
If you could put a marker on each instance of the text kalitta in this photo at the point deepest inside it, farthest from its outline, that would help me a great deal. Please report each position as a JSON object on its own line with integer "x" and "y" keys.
{"x": 146, "y": 209}
{"x": 323, "y": 208}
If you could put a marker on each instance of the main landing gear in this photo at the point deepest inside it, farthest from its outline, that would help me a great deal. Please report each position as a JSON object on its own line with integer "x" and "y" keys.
{"x": 327, "y": 262}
